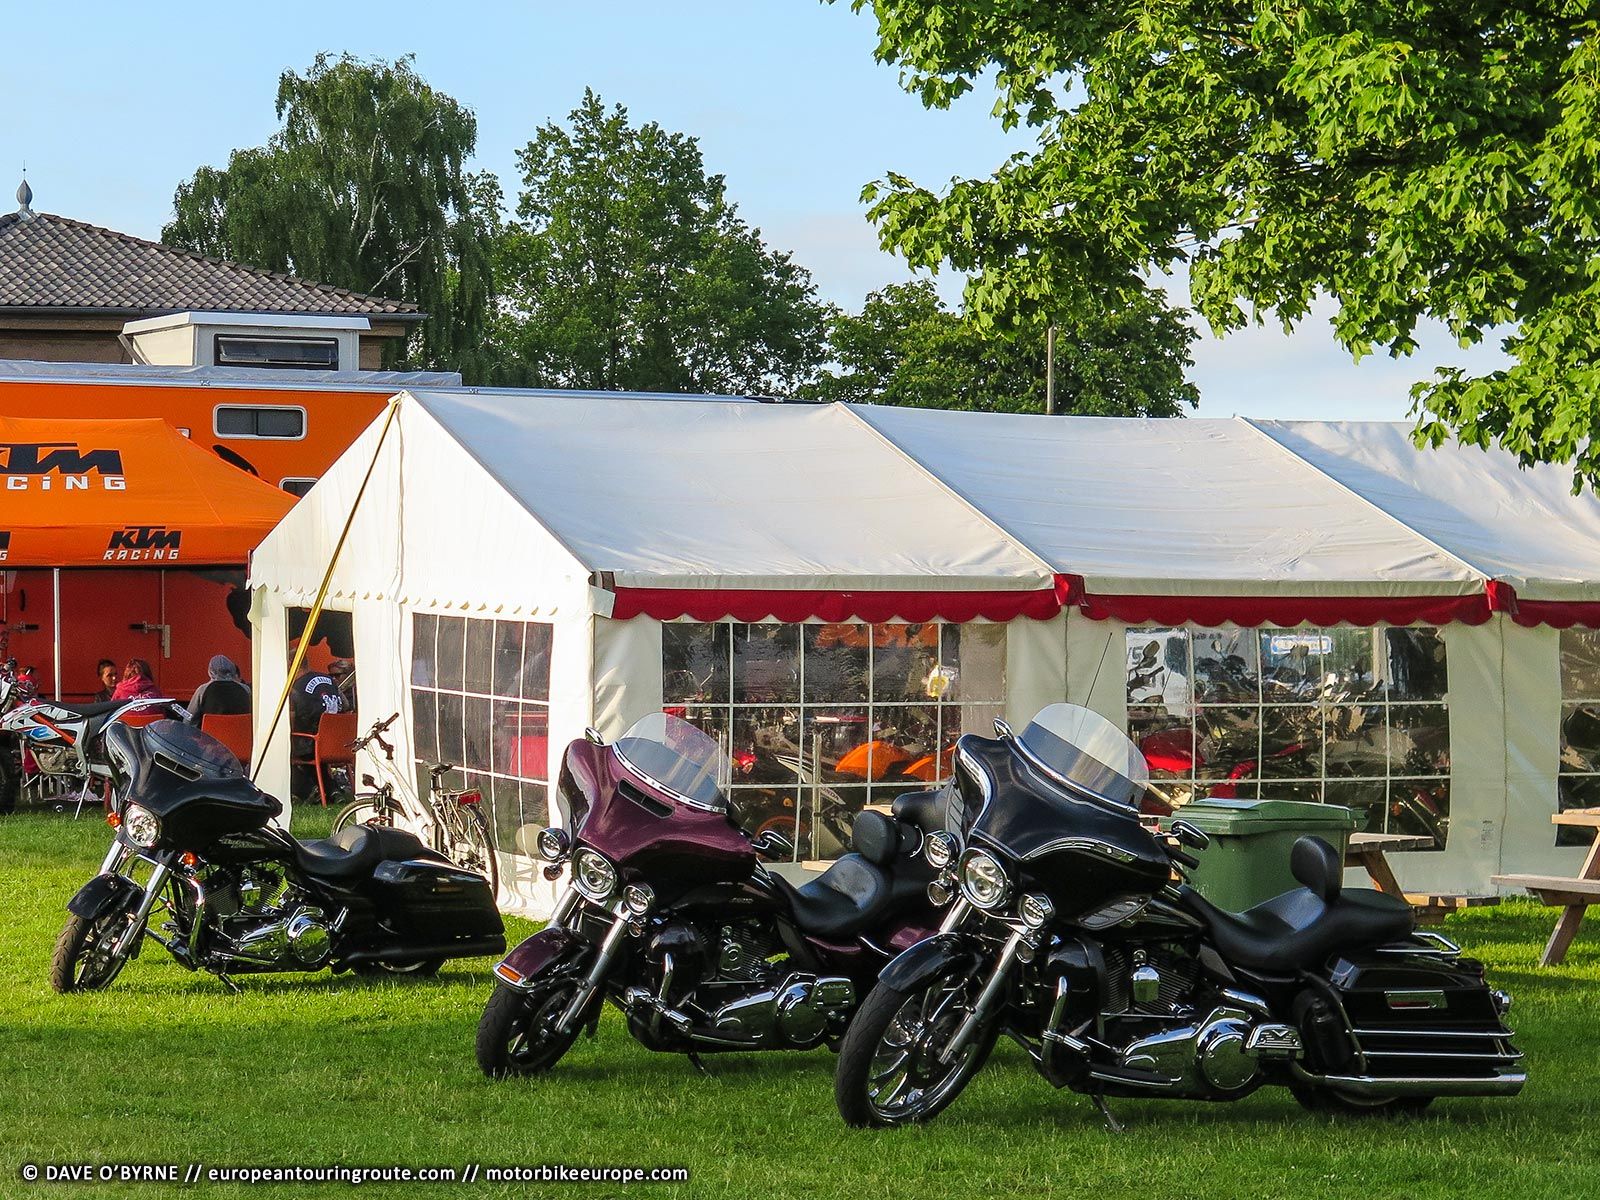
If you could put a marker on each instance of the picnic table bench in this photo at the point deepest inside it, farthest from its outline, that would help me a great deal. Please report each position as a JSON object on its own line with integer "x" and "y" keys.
{"x": 1573, "y": 895}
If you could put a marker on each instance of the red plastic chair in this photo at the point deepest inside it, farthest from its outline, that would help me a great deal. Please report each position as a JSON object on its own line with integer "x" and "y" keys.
{"x": 233, "y": 731}
{"x": 330, "y": 747}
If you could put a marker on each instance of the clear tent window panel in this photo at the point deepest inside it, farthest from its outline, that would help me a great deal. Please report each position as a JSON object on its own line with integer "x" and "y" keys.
{"x": 820, "y": 720}
{"x": 1578, "y": 772}
{"x": 480, "y": 693}
{"x": 1352, "y": 716}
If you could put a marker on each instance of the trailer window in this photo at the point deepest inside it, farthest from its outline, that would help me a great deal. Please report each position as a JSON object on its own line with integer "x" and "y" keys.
{"x": 260, "y": 421}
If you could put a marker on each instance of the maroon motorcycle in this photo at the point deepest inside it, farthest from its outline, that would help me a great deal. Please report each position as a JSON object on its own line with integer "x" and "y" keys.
{"x": 670, "y": 914}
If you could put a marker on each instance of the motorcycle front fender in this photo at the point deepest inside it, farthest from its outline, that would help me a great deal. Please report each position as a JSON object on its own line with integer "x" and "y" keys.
{"x": 100, "y": 895}
{"x": 538, "y": 955}
{"x": 931, "y": 958}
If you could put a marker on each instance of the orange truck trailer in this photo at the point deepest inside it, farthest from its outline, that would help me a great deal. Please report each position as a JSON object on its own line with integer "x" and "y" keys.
{"x": 121, "y": 539}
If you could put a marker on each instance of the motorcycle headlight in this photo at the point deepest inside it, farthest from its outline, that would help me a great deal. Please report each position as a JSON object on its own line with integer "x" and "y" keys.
{"x": 596, "y": 879}
{"x": 1035, "y": 910}
{"x": 639, "y": 897}
{"x": 940, "y": 850}
{"x": 983, "y": 880}
{"x": 141, "y": 826}
{"x": 553, "y": 845}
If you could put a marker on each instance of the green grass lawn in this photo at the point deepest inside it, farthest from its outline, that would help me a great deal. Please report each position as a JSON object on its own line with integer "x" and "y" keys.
{"x": 314, "y": 1070}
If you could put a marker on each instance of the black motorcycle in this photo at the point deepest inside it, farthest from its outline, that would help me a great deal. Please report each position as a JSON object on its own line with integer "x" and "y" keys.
{"x": 226, "y": 891}
{"x": 1071, "y": 931}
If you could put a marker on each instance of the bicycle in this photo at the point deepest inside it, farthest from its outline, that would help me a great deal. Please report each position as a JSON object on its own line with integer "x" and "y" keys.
{"x": 456, "y": 824}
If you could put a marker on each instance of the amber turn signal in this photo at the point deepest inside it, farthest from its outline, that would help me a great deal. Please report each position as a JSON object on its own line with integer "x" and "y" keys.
{"x": 114, "y": 820}
{"x": 188, "y": 859}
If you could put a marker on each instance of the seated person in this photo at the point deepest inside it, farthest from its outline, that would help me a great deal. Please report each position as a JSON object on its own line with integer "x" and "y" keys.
{"x": 223, "y": 694}
{"x": 138, "y": 682}
{"x": 314, "y": 694}
{"x": 106, "y": 671}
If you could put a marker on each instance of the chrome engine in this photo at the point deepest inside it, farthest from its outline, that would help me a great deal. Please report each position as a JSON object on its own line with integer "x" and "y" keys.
{"x": 800, "y": 1011}
{"x": 1210, "y": 1055}
{"x": 264, "y": 921}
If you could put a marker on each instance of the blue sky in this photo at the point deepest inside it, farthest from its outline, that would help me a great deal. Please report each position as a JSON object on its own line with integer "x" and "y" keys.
{"x": 112, "y": 105}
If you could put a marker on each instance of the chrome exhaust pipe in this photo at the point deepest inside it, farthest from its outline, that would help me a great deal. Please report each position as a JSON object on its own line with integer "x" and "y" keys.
{"x": 1504, "y": 1083}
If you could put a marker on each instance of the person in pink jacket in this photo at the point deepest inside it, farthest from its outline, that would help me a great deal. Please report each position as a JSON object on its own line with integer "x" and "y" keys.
{"x": 137, "y": 683}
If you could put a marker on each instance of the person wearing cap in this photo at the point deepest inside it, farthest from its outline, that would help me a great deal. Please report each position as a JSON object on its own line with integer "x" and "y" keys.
{"x": 222, "y": 694}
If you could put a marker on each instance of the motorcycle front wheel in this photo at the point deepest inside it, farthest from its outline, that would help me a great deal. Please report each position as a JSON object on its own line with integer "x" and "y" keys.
{"x": 517, "y": 1035}
{"x": 889, "y": 1072}
{"x": 85, "y": 958}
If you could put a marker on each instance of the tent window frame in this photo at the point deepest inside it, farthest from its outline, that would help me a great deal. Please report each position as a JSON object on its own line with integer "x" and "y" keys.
{"x": 469, "y": 698}
{"x": 731, "y": 705}
{"x": 1310, "y": 702}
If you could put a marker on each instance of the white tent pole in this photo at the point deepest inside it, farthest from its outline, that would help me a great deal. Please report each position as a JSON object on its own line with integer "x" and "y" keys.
{"x": 55, "y": 589}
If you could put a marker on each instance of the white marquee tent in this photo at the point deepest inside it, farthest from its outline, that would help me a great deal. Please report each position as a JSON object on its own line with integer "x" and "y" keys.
{"x": 1312, "y": 610}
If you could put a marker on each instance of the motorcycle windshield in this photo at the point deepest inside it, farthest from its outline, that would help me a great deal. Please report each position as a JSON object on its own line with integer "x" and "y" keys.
{"x": 677, "y": 759}
{"x": 1082, "y": 749}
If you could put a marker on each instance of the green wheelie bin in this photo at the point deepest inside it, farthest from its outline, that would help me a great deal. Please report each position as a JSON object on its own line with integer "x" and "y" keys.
{"x": 1248, "y": 858}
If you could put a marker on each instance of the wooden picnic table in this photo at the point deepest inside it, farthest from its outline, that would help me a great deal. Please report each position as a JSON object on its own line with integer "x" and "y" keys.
{"x": 1368, "y": 850}
{"x": 1573, "y": 895}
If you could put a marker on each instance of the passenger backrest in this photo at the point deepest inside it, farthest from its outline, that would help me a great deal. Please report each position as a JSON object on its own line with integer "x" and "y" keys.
{"x": 875, "y": 837}
{"x": 1317, "y": 866}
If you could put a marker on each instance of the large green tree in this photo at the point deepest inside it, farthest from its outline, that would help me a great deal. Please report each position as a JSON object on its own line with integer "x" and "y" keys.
{"x": 906, "y": 348}
{"x": 1408, "y": 158}
{"x": 628, "y": 267}
{"x": 364, "y": 186}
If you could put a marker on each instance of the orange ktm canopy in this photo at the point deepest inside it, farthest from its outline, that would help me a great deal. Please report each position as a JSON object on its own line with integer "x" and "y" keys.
{"x": 124, "y": 493}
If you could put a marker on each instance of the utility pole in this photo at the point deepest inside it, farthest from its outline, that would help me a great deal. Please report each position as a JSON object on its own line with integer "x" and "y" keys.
{"x": 1050, "y": 370}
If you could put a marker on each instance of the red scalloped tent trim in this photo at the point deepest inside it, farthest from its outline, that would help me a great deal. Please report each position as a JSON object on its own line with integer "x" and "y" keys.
{"x": 1251, "y": 611}
{"x": 795, "y": 605}
{"x": 760, "y": 604}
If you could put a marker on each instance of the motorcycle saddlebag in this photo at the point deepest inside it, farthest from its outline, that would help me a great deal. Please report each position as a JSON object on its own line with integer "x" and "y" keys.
{"x": 1413, "y": 1010}
{"x": 437, "y": 904}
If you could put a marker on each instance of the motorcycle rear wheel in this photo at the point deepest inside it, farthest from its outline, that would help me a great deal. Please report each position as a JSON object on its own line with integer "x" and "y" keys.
{"x": 888, "y": 1071}
{"x": 516, "y": 1036}
{"x": 420, "y": 968}
{"x": 84, "y": 959}
{"x": 1328, "y": 1102}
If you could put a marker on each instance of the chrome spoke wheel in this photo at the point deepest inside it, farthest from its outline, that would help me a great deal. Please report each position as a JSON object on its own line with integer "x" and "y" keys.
{"x": 906, "y": 1077}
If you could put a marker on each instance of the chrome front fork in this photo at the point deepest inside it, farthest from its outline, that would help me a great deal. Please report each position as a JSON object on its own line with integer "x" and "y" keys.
{"x": 152, "y": 892}
{"x": 564, "y": 907}
{"x": 988, "y": 1000}
{"x": 597, "y": 973}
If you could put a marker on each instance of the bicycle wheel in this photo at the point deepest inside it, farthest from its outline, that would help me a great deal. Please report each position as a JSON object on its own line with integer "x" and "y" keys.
{"x": 365, "y": 810}
{"x": 462, "y": 835}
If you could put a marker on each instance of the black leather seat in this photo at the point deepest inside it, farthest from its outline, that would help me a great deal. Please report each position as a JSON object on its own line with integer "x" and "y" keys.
{"x": 1303, "y": 927}
{"x": 357, "y": 850}
{"x": 857, "y": 891}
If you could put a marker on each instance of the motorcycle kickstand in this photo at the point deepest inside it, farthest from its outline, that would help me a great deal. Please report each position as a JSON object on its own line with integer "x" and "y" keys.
{"x": 1112, "y": 1125}
{"x": 232, "y": 986}
{"x": 694, "y": 1061}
